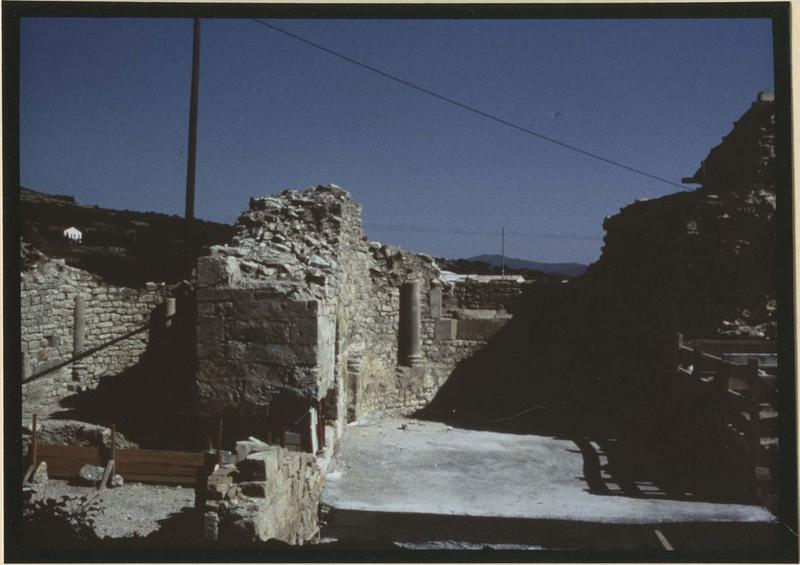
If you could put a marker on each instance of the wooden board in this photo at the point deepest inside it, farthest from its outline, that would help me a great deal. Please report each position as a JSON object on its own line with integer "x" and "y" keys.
{"x": 159, "y": 456}
{"x": 137, "y": 465}
{"x": 735, "y": 346}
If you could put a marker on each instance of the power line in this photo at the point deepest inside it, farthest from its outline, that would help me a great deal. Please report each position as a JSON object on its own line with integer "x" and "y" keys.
{"x": 466, "y": 106}
{"x": 395, "y": 227}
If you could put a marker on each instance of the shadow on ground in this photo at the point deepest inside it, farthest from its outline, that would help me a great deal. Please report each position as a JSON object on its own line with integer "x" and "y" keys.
{"x": 556, "y": 370}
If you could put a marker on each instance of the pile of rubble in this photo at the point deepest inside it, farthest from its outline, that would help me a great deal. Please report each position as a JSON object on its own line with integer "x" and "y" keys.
{"x": 274, "y": 241}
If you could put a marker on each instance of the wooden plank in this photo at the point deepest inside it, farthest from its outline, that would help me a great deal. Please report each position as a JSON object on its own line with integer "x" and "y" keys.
{"x": 157, "y": 469}
{"x": 743, "y": 373}
{"x": 70, "y": 452}
{"x": 68, "y": 471}
{"x": 736, "y": 346}
{"x": 106, "y": 474}
{"x": 738, "y": 401}
{"x": 158, "y": 456}
{"x": 707, "y": 362}
{"x": 34, "y": 443}
{"x": 137, "y": 465}
{"x": 685, "y": 355}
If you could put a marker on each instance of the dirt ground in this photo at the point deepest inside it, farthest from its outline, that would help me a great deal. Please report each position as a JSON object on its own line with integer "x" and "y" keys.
{"x": 134, "y": 508}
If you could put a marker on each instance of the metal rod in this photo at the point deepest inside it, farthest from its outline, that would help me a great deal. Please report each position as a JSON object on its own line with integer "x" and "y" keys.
{"x": 113, "y": 444}
{"x": 219, "y": 443}
{"x": 86, "y": 353}
{"x": 192, "y": 152}
{"x": 321, "y": 424}
{"x": 169, "y": 311}
{"x": 34, "y": 454}
{"x": 78, "y": 325}
{"x": 503, "y": 252}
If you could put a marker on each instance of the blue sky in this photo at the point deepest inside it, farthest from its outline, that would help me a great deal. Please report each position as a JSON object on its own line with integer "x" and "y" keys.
{"x": 104, "y": 117}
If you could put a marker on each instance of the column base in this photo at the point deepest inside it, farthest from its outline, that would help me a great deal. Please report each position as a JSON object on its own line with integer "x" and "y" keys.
{"x": 415, "y": 361}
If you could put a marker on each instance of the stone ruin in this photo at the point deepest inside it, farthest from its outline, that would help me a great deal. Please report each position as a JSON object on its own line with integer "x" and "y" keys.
{"x": 300, "y": 311}
{"x": 300, "y": 314}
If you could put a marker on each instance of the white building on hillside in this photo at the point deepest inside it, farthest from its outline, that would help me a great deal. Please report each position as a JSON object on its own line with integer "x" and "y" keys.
{"x": 74, "y": 234}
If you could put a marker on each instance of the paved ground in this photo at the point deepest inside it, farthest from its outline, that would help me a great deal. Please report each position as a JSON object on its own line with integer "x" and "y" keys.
{"x": 400, "y": 474}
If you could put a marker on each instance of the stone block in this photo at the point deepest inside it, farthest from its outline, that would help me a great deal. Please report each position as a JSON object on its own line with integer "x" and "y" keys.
{"x": 260, "y": 466}
{"x": 260, "y": 331}
{"x": 477, "y": 314}
{"x": 212, "y": 271}
{"x": 220, "y": 481}
{"x": 40, "y": 473}
{"x": 265, "y": 309}
{"x": 479, "y": 330}
{"x": 304, "y": 330}
{"x": 436, "y": 302}
{"x": 281, "y": 354}
{"x": 210, "y": 526}
{"x": 253, "y": 489}
{"x": 446, "y": 329}
{"x": 210, "y": 329}
{"x": 251, "y": 445}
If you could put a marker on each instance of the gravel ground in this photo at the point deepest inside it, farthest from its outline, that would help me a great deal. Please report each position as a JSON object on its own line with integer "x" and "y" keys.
{"x": 134, "y": 508}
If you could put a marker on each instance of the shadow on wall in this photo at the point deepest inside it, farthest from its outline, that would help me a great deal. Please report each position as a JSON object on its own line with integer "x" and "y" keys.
{"x": 151, "y": 402}
{"x": 532, "y": 376}
{"x": 561, "y": 367}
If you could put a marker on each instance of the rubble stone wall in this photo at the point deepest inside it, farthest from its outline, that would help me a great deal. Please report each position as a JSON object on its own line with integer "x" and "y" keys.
{"x": 301, "y": 307}
{"x": 492, "y": 295}
{"x": 272, "y": 493}
{"x": 48, "y": 293}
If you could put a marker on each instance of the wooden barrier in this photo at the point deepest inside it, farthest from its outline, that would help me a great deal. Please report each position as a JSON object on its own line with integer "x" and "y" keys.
{"x": 743, "y": 394}
{"x": 135, "y": 465}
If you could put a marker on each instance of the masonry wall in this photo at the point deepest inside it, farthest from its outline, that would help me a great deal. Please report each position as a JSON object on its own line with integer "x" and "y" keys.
{"x": 301, "y": 308}
{"x": 269, "y": 494}
{"x": 302, "y": 312}
{"x": 377, "y": 378}
{"x": 48, "y": 292}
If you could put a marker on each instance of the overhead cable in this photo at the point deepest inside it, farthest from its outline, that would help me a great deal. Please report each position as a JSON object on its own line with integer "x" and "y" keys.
{"x": 467, "y": 107}
{"x": 394, "y": 227}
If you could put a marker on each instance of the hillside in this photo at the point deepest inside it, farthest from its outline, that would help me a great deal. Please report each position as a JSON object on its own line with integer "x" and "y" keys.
{"x": 563, "y": 269}
{"x": 122, "y": 246}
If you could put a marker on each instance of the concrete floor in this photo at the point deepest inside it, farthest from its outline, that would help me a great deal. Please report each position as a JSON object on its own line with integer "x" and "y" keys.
{"x": 397, "y": 474}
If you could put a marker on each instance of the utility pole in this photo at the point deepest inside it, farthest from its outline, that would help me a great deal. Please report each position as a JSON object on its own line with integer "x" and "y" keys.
{"x": 503, "y": 252}
{"x": 192, "y": 152}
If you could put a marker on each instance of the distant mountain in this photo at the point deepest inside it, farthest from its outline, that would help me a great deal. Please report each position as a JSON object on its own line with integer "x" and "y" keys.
{"x": 564, "y": 269}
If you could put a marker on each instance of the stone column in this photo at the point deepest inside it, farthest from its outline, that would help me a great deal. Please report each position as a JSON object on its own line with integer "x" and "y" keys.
{"x": 79, "y": 368}
{"x": 169, "y": 312}
{"x": 411, "y": 337}
{"x": 78, "y": 325}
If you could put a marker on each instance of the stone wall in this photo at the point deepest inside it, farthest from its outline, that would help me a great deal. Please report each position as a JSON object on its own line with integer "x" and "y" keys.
{"x": 266, "y": 309}
{"x": 48, "y": 294}
{"x": 301, "y": 308}
{"x": 491, "y": 295}
{"x": 268, "y": 493}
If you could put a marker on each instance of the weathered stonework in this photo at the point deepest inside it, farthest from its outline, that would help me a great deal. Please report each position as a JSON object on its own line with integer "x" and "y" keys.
{"x": 269, "y": 493}
{"x": 49, "y": 291}
{"x": 301, "y": 307}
